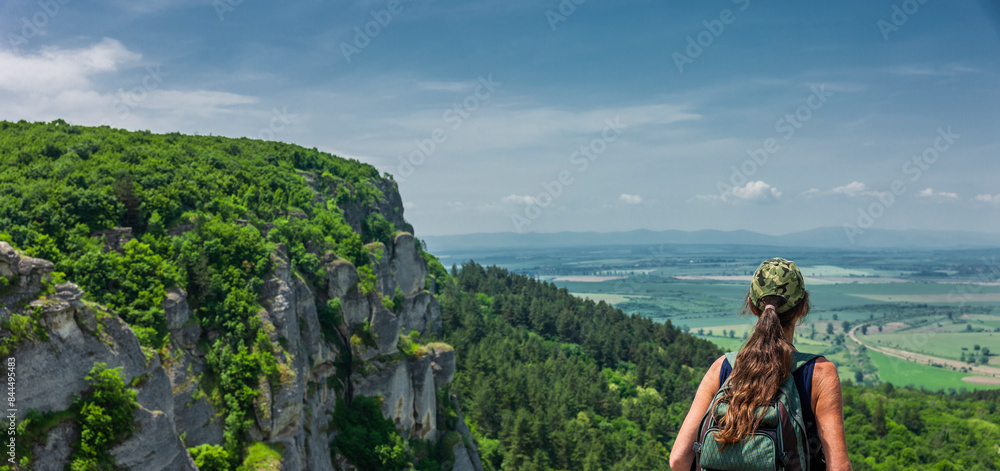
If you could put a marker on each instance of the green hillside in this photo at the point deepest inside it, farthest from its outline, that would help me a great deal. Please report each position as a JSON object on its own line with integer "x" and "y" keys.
{"x": 203, "y": 213}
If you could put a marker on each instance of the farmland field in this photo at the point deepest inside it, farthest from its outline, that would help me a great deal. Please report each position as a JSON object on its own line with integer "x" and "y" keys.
{"x": 904, "y": 373}
{"x": 940, "y": 304}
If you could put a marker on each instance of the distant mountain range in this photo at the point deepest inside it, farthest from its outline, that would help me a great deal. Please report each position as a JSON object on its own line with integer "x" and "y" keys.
{"x": 824, "y": 237}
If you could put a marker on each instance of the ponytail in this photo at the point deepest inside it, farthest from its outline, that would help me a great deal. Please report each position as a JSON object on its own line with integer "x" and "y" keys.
{"x": 762, "y": 366}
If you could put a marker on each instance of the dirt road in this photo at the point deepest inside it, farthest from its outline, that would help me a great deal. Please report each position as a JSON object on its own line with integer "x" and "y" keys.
{"x": 922, "y": 359}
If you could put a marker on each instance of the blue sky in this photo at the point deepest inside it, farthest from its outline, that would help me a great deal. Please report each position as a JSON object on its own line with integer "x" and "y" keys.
{"x": 561, "y": 115}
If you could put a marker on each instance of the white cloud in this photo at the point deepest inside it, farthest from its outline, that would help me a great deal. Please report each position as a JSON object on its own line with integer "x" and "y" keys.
{"x": 930, "y": 193}
{"x": 630, "y": 199}
{"x": 71, "y": 84}
{"x": 811, "y": 192}
{"x": 53, "y": 70}
{"x": 852, "y": 189}
{"x": 755, "y": 191}
{"x": 989, "y": 199}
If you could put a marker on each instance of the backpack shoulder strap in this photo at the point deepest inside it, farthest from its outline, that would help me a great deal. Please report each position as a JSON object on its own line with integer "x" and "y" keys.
{"x": 799, "y": 359}
{"x": 727, "y": 368}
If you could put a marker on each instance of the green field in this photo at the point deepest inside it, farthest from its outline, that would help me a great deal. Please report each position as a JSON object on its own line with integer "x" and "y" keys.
{"x": 940, "y": 344}
{"x": 905, "y": 373}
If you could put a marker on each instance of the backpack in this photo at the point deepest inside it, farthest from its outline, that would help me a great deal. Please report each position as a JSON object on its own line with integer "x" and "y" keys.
{"x": 779, "y": 442}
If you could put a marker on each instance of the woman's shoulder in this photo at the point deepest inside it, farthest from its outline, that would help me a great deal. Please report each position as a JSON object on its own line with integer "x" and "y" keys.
{"x": 717, "y": 365}
{"x": 825, "y": 376}
{"x": 824, "y": 367}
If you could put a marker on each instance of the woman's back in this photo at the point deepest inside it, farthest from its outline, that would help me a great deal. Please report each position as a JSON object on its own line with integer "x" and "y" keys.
{"x": 778, "y": 297}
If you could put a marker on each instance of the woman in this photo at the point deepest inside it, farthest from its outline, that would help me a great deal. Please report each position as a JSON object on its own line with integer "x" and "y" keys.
{"x": 778, "y": 298}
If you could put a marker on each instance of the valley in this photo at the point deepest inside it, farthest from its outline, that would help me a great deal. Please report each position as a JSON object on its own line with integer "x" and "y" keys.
{"x": 921, "y": 318}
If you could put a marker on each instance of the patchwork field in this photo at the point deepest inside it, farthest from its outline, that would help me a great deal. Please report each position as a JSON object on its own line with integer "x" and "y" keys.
{"x": 934, "y": 304}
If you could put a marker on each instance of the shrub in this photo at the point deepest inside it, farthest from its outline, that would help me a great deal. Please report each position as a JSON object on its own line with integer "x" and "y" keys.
{"x": 210, "y": 457}
{"x": 366, "y": 438}
{"x": 106, "y": 413}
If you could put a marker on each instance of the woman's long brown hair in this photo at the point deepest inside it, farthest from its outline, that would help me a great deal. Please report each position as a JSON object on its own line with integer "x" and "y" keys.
{"x": 762, "y": 366}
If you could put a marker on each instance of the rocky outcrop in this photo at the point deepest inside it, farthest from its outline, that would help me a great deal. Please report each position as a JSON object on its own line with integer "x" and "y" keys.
{"x": 408, "y": 267}
{"x": 23, "y": 275}
{"x": 421, "y": 313}
{"x": 390, "y": 206}
{"x": 114, "y": 238}
{"x": 53, "y": 455}
{"x": 79, "y": 335}
{"x": 473, "y": 463}
{"x": 352, "y": 352}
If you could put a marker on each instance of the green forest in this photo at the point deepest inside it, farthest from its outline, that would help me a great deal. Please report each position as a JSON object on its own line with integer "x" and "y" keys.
{"x": 546, "y": 380}
{"x": 550, "y": 381}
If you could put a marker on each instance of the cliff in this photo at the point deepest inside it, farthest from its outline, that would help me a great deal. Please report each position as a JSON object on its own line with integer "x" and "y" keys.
{"x": 325, "y": 357}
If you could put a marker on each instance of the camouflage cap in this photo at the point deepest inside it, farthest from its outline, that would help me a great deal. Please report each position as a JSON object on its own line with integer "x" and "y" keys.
{"x": 777, "y": 277}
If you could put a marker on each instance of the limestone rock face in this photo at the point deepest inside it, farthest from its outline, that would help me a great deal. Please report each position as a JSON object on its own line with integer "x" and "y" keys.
{"x": 393, "y": 383}
{"x": 442, "y": 363}
{"x": 24, "y": 274}
{"x": 462, "y": 460}
{"x": 463, "y": 430}
{"x": 176, "y": 308}
{"x": 382, "y": 269}
{"x": 343, "y": 276}
{"x": 155, "y": 447}
{"x": 8, "y": 260}
{"x": 57, "y": 367}
{"x": 424, "y": 399}
{"x": 78, "y": 337}
{"x": 385, "y": 326}
{"x": 408, "y": 267}
{"x": 420, "y": 312}
{"x": 53, "y": 455}
{"x": 194, "y": 415}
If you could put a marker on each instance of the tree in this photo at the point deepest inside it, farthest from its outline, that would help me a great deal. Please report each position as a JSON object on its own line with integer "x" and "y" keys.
{"x": 878, "y": 419}
{"x": 829, "y": 328}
